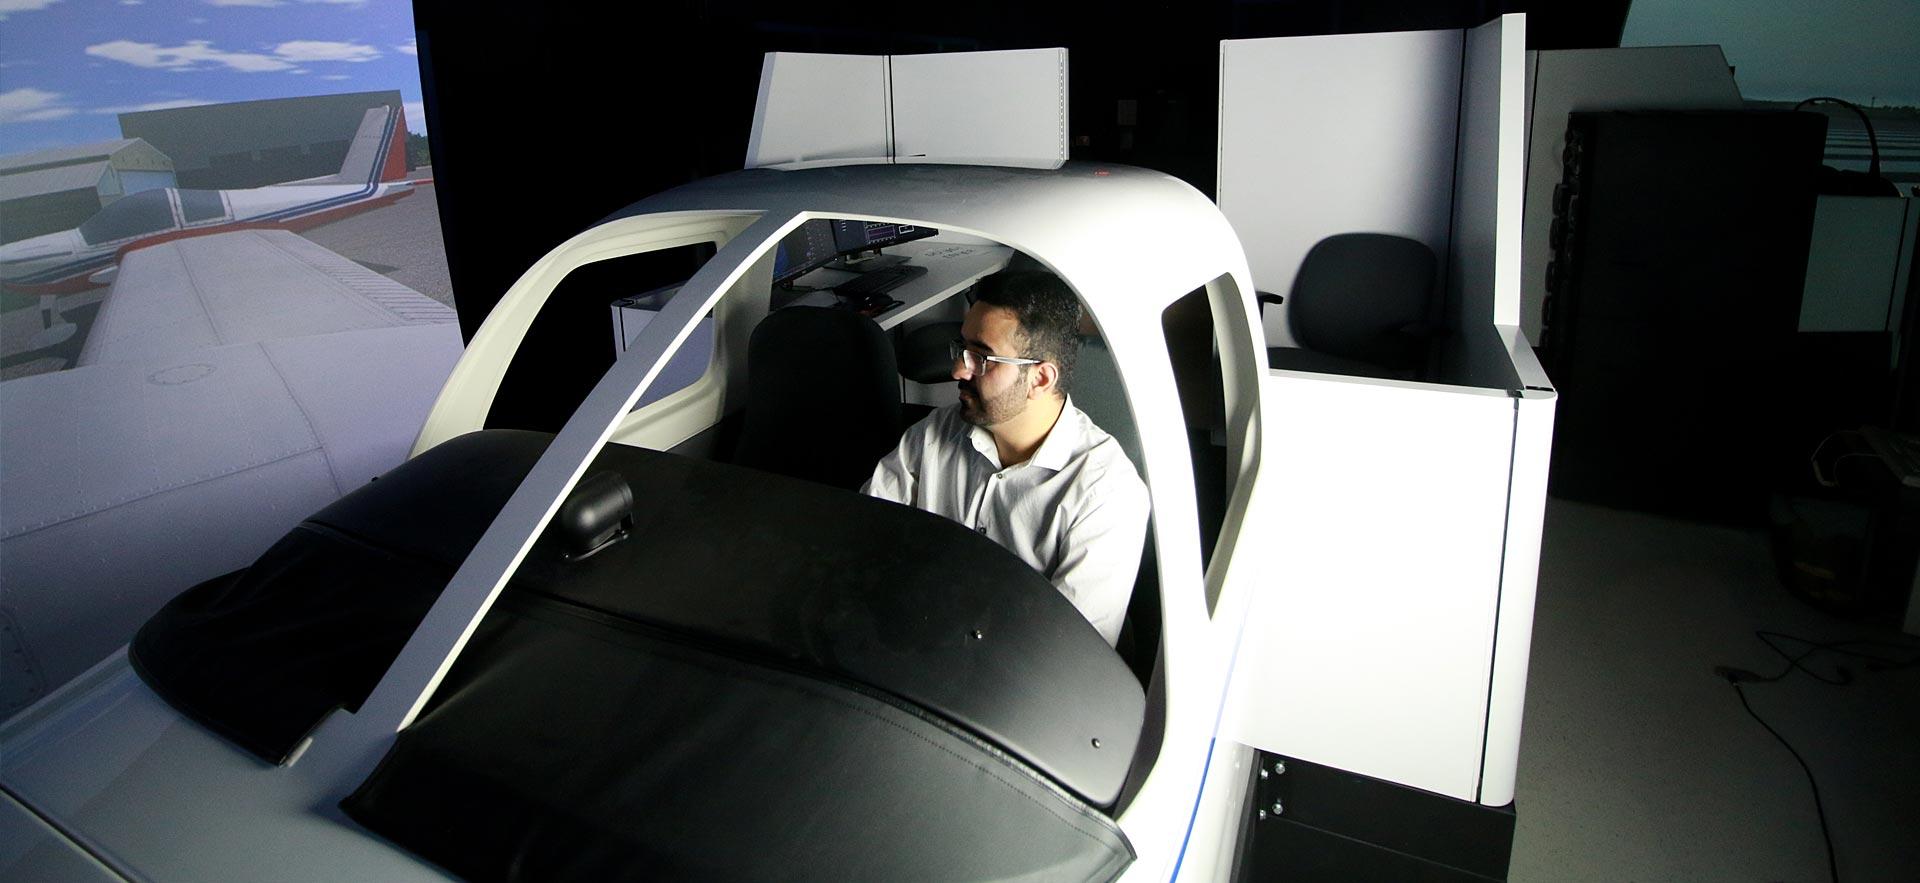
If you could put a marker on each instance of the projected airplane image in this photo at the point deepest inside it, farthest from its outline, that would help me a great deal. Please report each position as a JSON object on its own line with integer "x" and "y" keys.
{"x": 69, "y": 261}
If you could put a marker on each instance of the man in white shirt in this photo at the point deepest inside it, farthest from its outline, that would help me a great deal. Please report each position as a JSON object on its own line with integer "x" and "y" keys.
{"x": 1016, "y": 461}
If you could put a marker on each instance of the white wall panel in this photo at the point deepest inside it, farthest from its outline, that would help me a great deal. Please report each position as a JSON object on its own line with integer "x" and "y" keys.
{"x": 816, "y": 106}
{"x": 987, "y": 108}
{"x": 993, "y": 108}
{"x": 1368, "y": 641}
{"x": 1860, "y": 244}
{"x": 1483, "y": 263}
{"x": 1335, "y": 134}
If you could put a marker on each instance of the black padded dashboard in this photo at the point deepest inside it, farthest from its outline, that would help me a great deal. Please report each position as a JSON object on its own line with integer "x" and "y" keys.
{"x": 761, "y": 568}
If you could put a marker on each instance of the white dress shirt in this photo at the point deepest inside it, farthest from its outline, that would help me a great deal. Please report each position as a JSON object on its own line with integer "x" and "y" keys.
{"x": 1076, "y": 511}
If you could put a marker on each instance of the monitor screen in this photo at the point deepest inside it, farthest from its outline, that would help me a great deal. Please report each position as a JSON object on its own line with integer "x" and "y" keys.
{"x": 852, "y": 236}
{"x": 806, "y": 248}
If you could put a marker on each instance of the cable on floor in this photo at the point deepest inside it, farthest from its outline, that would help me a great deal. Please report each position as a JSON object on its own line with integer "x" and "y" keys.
{"x": 1738, "y": 677}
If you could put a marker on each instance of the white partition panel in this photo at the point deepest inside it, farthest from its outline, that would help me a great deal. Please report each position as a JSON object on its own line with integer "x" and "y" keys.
{"x": 985, "y": 108}
{"x": 1566, "y": 80}
{"x": 1367, "y": 646}
{"x": 991, "y": 108}
{"x": 1337, "y": 134}
{"x": 1483, "y": 266}
{"x": 820, "y": 107}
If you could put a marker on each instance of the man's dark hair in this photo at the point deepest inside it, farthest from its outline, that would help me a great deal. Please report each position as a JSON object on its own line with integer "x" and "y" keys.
{"x": 1048, "y": 312}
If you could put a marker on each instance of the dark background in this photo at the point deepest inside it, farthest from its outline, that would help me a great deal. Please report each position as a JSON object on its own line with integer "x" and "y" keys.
{"x": 549, "y": 117}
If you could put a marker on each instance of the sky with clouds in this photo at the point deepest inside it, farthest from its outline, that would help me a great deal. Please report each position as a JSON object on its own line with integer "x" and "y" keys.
{"x": 69, "y": 67}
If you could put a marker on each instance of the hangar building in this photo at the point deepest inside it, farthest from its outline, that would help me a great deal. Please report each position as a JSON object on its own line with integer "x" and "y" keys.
{"x": 255, "y": 143}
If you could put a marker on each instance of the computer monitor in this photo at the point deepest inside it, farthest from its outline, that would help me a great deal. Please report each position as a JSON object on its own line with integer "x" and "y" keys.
{"x": 857, "y": 236}
{"x": 808, "y": 247}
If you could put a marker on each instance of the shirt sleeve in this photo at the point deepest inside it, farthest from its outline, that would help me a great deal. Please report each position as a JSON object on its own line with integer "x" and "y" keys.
{"x": 897, "y": 476}
{"x": 1100, "y": 554}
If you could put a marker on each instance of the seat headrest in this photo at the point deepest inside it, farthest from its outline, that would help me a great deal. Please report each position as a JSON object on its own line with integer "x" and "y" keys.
{"x": 823, "y": 396}
{"x": 922, "y": 352}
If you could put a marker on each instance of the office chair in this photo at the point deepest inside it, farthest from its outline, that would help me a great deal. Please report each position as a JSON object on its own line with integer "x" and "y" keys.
{"x": 823, "y": 398}
{"x": 1362, "y": 305}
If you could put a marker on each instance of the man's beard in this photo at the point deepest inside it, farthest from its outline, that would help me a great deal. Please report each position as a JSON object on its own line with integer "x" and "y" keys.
{"x": 1010, "y": 403}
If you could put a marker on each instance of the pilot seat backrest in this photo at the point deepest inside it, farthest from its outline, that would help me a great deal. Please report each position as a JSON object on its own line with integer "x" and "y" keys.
{"x": 1096, "y": 390}
{"x": 823, "y": 396}
{"x": 1362, "y": 304}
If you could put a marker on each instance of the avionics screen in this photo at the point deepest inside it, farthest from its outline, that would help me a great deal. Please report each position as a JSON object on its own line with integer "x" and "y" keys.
{"x": 806, "y": 248}
{"x": 852, "y": 236}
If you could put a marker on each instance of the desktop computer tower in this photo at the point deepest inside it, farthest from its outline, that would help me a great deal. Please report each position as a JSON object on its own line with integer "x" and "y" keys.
{"x": 1680, "y": 250}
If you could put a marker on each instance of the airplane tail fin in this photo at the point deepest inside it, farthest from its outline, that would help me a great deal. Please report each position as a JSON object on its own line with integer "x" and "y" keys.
{"x": 379, "y": 149}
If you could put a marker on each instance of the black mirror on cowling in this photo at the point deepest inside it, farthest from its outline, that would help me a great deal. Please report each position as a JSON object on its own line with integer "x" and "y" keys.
{"x": 596, "y": 515}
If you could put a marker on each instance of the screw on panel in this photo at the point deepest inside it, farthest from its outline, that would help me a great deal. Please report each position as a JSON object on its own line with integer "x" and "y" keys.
{"x": 1263, "y": 772}
{"x": 977, "y": 634}
{"x": 1263, "y": 815}
{"x": 1279, "y": 767}
{"x": 1276, "y": 807}
{"x": 1096, "y": 743}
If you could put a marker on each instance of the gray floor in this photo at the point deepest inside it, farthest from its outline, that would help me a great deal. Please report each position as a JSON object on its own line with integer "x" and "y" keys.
{"x": 1637, "y": 762}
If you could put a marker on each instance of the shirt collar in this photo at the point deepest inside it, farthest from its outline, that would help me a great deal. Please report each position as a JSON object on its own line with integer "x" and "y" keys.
{"x": 1055, "y": 450}
{"x": 1058, "y": 447}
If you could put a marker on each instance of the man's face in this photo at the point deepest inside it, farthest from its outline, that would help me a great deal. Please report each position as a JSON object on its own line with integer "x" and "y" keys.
{"x": 999, "y": 392}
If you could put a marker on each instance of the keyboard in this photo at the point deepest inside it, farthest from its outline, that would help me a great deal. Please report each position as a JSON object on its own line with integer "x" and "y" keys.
{"x": 879, "y": 281}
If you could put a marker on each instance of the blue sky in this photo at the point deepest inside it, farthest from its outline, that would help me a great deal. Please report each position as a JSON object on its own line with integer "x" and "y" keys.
{"x": 68, "y": 67}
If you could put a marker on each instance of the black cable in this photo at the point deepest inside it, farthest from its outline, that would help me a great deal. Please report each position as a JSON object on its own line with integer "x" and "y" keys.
{"x": 1819, "y": 809}
{"x": 1874, "y": 662}
{"x": 1797, "y": 662}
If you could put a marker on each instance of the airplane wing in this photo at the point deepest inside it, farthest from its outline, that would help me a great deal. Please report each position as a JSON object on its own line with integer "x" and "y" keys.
{"x": 232, "y": 385}
{"x": 248, "y": 285}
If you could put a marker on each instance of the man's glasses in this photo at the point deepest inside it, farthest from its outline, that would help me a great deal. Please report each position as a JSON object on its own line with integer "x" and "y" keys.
{"x": 977, "y": 363}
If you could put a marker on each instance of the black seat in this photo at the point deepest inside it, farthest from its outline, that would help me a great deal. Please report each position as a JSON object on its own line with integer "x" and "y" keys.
{"x": 1361, "y": 305}
{"x": 823, "y": 396}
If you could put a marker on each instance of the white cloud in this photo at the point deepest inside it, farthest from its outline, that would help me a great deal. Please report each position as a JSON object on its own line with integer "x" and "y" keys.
{"x": 336, "y": 77}
{"x": 412, "y": 47}
{"x": 9, "y": 7}
{"x": 194, "y": 55}
{"x": 416, "y": 113}
{"x": 303, "y": 51}
{"x": 133, "y": 2}
{"x": 152, "y": 105}
{"x": 32, "y": 106}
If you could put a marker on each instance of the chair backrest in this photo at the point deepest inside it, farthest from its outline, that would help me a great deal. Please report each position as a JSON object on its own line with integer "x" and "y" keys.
{"x": 1096, "y": 390}
{"x": 1365, "y": 296}
{"x": 823, "y": 396}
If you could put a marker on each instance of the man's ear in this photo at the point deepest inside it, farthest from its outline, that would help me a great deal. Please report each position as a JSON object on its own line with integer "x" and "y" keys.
{"x": 1046, "y": 378}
